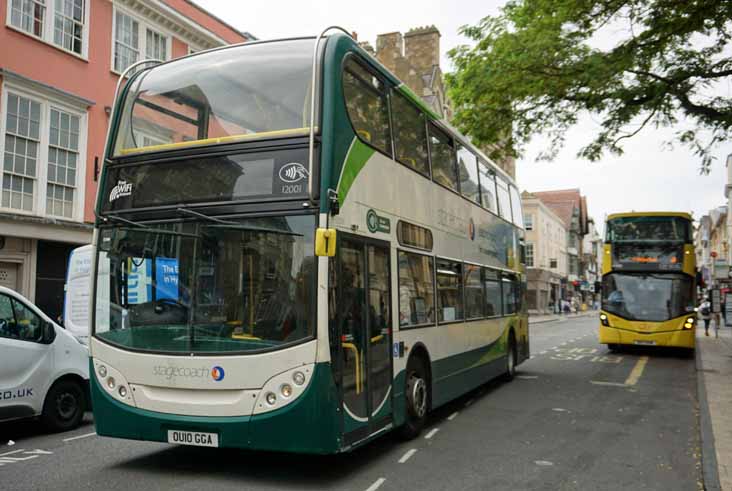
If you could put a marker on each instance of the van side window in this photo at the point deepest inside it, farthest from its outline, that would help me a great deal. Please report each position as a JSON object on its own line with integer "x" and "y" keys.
{"x": 367, "y": 106}
{"x": 18, "y": 322}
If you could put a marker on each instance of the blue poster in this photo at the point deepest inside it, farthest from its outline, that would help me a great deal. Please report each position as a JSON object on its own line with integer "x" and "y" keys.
{"x": 166, "y": 278}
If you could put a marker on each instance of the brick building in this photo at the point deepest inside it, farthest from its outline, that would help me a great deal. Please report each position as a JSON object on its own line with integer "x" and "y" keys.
{"x": 59, "y": 65}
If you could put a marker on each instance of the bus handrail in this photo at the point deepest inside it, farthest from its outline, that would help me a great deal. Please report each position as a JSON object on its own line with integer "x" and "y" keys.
{"x": 311, "y": 148}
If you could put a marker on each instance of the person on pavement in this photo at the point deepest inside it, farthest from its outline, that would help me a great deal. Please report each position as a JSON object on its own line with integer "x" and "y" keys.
{"x": 705, "y": 311}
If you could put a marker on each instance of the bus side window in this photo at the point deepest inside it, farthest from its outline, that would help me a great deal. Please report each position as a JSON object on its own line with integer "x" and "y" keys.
{"x": 510, "y": 294}
{"x": 410, "y": 137}
{"x": 493, "y": 297}
{"x": 504, "y": 202}
{"x": 442, "y": 155}
{"x": 449, "y": 291}
{"x": 468, "y": 171}
{"x": 367, "y": 106}
{"x": 487, "y": 187}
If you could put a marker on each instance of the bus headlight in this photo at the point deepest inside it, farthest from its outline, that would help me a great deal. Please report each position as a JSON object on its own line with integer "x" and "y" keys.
{"x": 111, "y": 383}
{"x": 102, "y": 371}
{"x": 286, "y": 390}
{"x": 603, "y": 319}
{"x": 271, "y": 398}
{"x": 122, "y": 391}
{"x": 298, "y": 378}
{"x": 689, "y": 323}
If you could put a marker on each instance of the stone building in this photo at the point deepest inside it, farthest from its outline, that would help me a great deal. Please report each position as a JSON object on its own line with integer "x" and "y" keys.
{"x": 414, "y": 58}
{"x": 546, "y": 254}
{"x": 571, "y": 207}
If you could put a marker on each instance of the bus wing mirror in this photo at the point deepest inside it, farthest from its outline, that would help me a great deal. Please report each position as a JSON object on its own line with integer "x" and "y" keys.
{"x": 325, "y": 242}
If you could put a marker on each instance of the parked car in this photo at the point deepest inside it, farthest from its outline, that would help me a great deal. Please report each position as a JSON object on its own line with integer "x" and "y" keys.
{"x": 44, "y": 371}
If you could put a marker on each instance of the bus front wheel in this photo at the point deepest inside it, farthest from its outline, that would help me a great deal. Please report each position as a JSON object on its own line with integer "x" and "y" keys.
{"x": 417, "y": 393}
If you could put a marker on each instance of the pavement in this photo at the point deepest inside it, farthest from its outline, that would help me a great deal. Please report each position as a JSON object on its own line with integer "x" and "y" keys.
{"x": 714, "y": 367}
{"x": 576, "y": 417}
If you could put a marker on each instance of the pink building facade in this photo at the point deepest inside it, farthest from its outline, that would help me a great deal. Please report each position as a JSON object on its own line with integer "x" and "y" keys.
{"x": 59, "y": 64}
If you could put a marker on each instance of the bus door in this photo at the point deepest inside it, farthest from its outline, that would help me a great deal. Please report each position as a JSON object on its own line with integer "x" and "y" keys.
{"x": 363, "y": 318}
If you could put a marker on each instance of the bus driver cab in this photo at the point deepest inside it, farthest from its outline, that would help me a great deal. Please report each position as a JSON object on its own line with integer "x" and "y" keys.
{"x": 43, "y": 368}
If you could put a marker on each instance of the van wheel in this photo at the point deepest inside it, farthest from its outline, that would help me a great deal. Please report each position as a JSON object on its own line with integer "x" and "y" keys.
{"x": 64, "y": 406}
{"x": 417, "y": 394}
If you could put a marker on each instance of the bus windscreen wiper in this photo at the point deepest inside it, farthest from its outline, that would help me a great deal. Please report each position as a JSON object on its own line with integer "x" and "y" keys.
{"x": 146, "y": 228}
{"x": 226, "y": 224}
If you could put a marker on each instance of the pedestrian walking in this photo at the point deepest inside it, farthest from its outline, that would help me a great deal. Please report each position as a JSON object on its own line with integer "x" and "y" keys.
{"x": 705, "y": 311}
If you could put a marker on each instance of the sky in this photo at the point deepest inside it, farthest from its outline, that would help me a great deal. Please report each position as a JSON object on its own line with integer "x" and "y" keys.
{"x": 646, "y": 177}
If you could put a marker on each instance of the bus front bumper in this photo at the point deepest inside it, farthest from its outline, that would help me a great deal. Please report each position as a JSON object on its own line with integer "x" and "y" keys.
{"x": 308, "y": 425}
{"x": 681, "y": 338}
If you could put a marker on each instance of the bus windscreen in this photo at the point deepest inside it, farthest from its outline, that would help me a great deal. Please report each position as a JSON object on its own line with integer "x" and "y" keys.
{"x": 226, "y": 95}
{"x": 649, "y": 229}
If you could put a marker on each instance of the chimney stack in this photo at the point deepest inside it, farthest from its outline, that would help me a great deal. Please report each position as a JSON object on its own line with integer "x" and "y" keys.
{"x": 422, "y": 47}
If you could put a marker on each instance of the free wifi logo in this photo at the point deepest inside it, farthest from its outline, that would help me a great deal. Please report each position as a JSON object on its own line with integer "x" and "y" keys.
{"x": 217, "y": 373}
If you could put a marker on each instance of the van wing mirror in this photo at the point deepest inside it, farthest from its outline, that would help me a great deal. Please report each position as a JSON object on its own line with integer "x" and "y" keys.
{"x": 49, "y": 333}
{"x": 325, "y": 242}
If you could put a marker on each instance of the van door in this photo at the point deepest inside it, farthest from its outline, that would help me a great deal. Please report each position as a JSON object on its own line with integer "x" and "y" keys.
{"x": 27, "y": 363}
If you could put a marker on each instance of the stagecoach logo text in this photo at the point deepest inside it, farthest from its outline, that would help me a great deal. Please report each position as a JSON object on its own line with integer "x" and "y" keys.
{"x": 123, "y": 188}
{"x": 217, "y": 372}
{"x": 293, "y": 172}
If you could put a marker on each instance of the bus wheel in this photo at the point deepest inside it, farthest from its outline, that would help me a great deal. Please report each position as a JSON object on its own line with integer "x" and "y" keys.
{"x": 613, "y": 347}
{"x": 510, "y": 370}
{"x": 64, "y": 406}
{"x": 417, "y": 398}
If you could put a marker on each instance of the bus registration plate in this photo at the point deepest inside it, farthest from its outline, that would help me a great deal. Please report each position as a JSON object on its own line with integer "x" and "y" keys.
{"x": 644, "y": 342}
{"x": 195, "y": 438}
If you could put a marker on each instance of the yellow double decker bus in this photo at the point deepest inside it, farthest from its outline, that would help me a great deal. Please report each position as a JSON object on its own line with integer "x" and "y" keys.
{"x": 648, "y": 280}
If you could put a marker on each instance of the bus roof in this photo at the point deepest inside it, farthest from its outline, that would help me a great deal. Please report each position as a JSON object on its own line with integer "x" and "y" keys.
{"x": 630, "y": 214}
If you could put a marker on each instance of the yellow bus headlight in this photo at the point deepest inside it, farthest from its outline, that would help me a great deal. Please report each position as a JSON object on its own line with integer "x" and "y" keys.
{"x": 603, "y": 319}
{"x": 689, "y": 323}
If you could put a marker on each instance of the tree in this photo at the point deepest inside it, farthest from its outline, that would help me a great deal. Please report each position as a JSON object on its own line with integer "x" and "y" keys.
{"x": 540, "y": 64}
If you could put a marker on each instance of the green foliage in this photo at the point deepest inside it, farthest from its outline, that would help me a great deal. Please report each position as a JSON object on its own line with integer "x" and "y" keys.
{"x": 537, "y": 67}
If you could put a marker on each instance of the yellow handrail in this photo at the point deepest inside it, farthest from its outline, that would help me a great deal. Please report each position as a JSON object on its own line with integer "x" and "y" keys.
{"x": 353, "y": 348}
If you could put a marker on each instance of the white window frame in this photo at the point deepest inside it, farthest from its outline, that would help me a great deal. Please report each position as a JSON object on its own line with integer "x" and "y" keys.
{"x": 528, "y": 221}
{"x": 47, "y": 29}
{"x": 529, "y": 246}
{"x": 142, "y": 26}
{"x": 41, "y": 179}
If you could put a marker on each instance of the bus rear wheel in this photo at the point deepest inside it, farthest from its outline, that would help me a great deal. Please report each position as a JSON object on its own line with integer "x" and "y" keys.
{"x": 417, "y": 394}
{"x": 510, "y": 370}
{"x": 64, "y": 406}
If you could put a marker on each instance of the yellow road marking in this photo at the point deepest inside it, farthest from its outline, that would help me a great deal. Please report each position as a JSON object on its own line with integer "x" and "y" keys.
{"x": 637, "y": 371}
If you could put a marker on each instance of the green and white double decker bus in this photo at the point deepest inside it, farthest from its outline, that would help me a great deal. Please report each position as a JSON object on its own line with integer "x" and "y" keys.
{"x": 282, "y": 274}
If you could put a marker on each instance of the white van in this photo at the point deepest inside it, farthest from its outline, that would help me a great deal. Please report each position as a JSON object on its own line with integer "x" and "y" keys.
{"x": 77, "y": 291}
{"x": 44, "y": 369}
